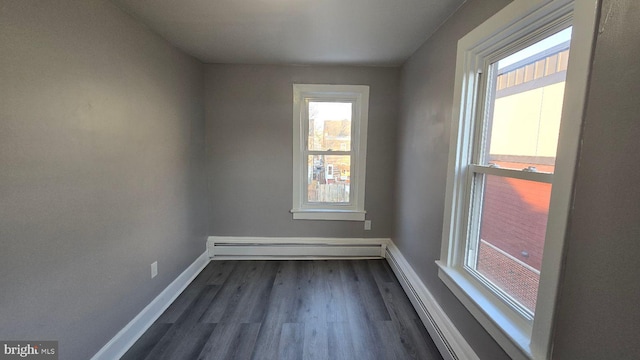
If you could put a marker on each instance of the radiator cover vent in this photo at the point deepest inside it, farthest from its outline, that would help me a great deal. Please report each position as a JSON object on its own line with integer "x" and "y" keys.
{"x": 254, "y": 248}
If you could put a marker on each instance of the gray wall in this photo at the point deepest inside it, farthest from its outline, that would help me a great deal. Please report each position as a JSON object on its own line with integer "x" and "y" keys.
{"x": 423, "y": 149}
{"x": 249, "y": 149}
{"x": 598, "y": 314}
{"x": 101, "y": 151}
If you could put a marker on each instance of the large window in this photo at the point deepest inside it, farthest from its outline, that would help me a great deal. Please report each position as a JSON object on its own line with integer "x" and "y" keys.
{"x": 511, "y": 168}
{"x": 329, "y": 151}
{"x": 512, "y": 157}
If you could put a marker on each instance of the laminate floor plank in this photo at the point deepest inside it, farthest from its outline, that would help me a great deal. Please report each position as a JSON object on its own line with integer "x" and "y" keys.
{"x": 181, "y": 343}
{"x": 202, "y": 303}
{"x": 353, "y": 298}
{"x": 418, "y": 344}
{"x": 206, "y": 273}
{"x": 306, "y": 281}
{"x": 191, "y": 344}
{"x": 147, "y": 342}
{"x": 373, "y": 301}
{"x": 332, "y": 287}
{"x": 381, "y": 271}
{"x": 365, "y": 338}
{"x": 246, "y": 303}
{"x": 400, "y": 309}
{"x": 313, "y": 298}
{"x": 267, "y": 343}
{"x": 272, "y": 310}
{"x": 395, "y": 299}
{"x": 182, "y": 302}
{"x": 368, "y": 342}
{"x": 432, "y": 348}
{"x": 240, "y": 282}
{"x": 280, "y": 310}
{"x": 393, "y": 342}
{"x": 252, "y": 305}
{"x": 316, "y": 341}
{"x": 291, "y": 341}
{"x": 232, "y": 341}
{"x": 245, "y": 342}
{"x": 415, "y": 342}
{"x": 220, "y": 271}
{"x": 340, "y": 343}
{"x": 281, "y": 300}
{"x": 191, "y": 293}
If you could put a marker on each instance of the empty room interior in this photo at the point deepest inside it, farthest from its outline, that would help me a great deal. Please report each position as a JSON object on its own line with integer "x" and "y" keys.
{"x": 296, "y": 179}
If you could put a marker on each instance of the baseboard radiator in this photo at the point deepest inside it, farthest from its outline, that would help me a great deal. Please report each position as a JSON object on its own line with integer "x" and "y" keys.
{"x": 254, "y": 248}
{"x": 452, "y": 345}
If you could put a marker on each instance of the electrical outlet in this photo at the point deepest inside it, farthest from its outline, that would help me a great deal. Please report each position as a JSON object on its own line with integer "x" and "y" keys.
{"x": 367, "y": 224}
{"x": 154, "y": 269}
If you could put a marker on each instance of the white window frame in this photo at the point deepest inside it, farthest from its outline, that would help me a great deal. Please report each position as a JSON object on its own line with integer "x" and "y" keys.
{"x": 359, "y": 96}
{"x": 510, "y": 30}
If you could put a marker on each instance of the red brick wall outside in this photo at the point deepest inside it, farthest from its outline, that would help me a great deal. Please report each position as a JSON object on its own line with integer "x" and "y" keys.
{"x": 514, "y": 217}
{"x": 512, "y": 233}
{"x": 512, "y": 276}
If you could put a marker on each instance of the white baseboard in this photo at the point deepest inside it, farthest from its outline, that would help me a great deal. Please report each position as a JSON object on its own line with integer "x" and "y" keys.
{"x": 294, "y": 248}
{"x": 126, "y": 337}
{"x": 446, "y": 336}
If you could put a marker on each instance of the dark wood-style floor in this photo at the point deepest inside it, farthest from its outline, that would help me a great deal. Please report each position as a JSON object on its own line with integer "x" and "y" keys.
{"x": 289, "y": 310}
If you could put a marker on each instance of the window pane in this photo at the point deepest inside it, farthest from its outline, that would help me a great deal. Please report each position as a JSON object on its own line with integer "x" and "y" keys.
{"x": 525, "y": 105}
{"x": 511, "y": 235}
{"x": 329, "y": 178}
{"x": 330, "y": 126}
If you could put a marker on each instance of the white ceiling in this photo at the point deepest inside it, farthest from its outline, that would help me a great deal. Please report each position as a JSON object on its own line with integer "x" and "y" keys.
{"x": 363, "y": 32}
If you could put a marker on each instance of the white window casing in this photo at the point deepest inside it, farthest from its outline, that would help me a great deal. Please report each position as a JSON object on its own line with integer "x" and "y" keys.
{"x": 358, "y": 96}
{"x": 518, "y": 25}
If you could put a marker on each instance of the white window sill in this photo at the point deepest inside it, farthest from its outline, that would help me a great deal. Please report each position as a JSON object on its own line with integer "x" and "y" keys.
{"x": 339, "y": 215}
{"x": 510, "y": 330}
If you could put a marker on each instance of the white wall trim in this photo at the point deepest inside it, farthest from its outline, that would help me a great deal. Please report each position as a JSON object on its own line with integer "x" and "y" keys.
{"x": 125, "y": 338}
{"x": 446, "y": 336}
{"x": 294, "y": 248}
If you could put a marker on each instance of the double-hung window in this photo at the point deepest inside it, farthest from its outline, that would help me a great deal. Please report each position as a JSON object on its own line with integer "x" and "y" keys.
{"x": 329, "y": 151}
{"x": 520, "y": 90}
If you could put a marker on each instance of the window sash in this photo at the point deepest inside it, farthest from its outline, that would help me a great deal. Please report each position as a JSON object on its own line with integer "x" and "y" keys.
{"x": 473, "y": 226}
{"x": 326, "y": 204}
{"x": 354, "y": 120}
{"x": 537, "y": 176}
{"x": 306, "y": 152}
{"x": 358, "y": 96}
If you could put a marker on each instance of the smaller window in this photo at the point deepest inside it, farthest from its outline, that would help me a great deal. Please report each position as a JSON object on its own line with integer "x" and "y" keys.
{"x": 329, "y": 151}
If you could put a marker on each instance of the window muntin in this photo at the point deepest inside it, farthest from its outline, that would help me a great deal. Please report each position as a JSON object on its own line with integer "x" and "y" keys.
{"x": 329, "y": 151}
{"x": 511, "y": 170}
